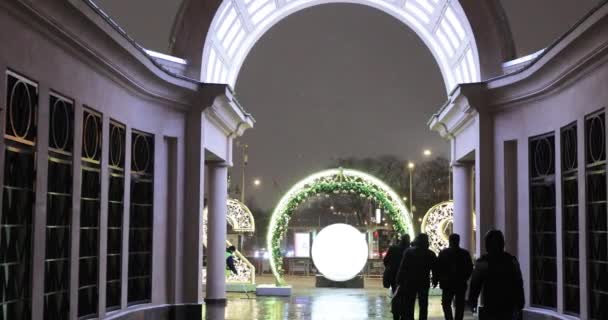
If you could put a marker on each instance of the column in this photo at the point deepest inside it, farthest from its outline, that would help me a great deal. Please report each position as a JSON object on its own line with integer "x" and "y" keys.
{"x": 39, "y": 217}
{"x": 190, "y": 278}
{"x": 103, "y": 216}
{"x": 216, "y": 237}
{"x": 463, "y": 204}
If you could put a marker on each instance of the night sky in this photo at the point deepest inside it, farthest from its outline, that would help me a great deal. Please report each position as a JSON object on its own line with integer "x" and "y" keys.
{"x": 339, "y": 80}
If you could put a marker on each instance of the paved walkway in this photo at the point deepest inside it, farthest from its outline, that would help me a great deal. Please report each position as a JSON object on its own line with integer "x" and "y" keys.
{"x": 308, "y": 302}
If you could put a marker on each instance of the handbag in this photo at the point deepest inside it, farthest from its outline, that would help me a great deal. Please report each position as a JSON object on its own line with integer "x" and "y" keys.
{"x": 387, "y": 276}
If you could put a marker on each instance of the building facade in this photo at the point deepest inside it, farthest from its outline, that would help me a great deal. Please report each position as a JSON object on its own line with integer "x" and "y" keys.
{"x": 531, "y": 148}
{"x": 105, "y": 154}
{"x": 107, "y": 151}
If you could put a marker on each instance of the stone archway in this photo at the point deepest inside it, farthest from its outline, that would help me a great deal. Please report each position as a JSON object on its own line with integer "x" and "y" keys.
{"x": 333, "y": 181}
{"x": 469, "y": 39}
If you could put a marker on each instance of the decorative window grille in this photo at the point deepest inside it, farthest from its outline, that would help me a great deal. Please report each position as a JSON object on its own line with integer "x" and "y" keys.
{"x": 59, "y": 209}
{"x": 542, "y": 221}
{"x": 141, "y": 218}
{"x": 570, "y": 229}
{"x": 18, "y": 197}
{"x": 115, "y": 214}
{"x": 597, "y": 216}
{"x": 88, "y": 274}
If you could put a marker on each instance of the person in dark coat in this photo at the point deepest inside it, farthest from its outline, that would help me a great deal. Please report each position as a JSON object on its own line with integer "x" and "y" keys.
{"x": 414, "y": 277}
{"x": 497, "y": 278}
{"x": 454, "y": 267}
{"x": 230, "y": 267}
{"x": 392, "y": 260}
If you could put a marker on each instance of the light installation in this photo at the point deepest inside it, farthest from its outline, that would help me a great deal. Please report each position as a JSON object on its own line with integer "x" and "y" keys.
{"x": 241, "y": 220}
{"x": 441, "y": 24}
{"x": 437, "y": 223}
{"x": 339, "y": 252}
{"x": 333, "y": 181}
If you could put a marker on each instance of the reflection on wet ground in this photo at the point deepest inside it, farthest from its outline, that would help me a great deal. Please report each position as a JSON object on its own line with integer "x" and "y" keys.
{"x": 308, "y": 302}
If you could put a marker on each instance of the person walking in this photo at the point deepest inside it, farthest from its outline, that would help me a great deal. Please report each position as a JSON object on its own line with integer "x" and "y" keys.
{"x": 392, "y": 260}
{"x": 454, "y": 267}
{"x": 230, "y": 267}
{"x": 497, "y": 279}
{"x": 414, "y": 278}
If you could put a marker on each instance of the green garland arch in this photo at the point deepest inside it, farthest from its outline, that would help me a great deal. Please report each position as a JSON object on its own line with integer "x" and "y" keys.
{"x": 333, "y": 181}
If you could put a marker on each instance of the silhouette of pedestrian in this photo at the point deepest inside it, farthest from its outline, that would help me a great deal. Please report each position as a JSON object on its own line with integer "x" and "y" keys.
{"x": 414, "y": 278}
{"x": 497, "y": 278}
{"x": 454, "y": 267}
{"x": 392, "y": 261}
{"x": 230, "y": 267}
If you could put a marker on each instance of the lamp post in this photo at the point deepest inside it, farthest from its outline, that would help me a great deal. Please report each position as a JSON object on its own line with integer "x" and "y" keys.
{"x": 410, "y": 167}
{"x": 449, "y": 182}
{"x": 244, "y": 166}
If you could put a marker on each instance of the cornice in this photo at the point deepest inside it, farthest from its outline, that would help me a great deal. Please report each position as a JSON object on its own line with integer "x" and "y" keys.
{"x": 226, "y": 113}
{"x": 459, "y": 111}
{"x": 72, "y": 25}
{"x": 573, "y": 55}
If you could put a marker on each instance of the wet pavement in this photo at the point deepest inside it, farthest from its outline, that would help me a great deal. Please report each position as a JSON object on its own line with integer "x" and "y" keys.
{"x": 308, "y": 302}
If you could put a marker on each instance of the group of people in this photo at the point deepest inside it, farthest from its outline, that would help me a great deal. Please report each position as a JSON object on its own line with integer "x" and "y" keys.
{"x": 496, "y": 286}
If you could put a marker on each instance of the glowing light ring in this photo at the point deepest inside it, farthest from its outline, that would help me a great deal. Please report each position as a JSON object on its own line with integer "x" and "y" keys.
{"x": 240, "y": 218}
{"x": 238, "y": 215}
{"x": 435, "y": 223}
{"x": 333, "y": 181}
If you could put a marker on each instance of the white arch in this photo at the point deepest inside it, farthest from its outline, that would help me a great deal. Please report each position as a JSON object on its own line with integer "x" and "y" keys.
{"x": 441, "y": 24}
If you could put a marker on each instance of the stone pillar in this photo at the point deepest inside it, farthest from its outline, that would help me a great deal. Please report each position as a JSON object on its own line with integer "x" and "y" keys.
{"x": 463, "y": 204}
{"x": 216, "y": 238}
{"x": 189, "y": 279}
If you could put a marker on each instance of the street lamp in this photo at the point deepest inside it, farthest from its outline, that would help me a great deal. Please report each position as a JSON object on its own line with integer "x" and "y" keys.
{"x": 427, "y": 152}
{"x": 410, "y": 167}
{"x": 245, "y": 160}
{"x": 257, "y": 182}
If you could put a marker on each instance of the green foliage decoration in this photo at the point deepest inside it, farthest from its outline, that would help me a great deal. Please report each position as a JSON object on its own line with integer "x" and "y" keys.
{"x": 341, "y": 182}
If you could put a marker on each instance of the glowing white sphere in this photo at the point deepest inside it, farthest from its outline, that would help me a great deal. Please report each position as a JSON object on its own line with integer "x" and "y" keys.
{"x": 339, "y": 252}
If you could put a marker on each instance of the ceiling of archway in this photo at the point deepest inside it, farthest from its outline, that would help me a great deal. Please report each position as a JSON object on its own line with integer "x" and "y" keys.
{"x": 134, "y": 16}
{"x": 238, "y": 24}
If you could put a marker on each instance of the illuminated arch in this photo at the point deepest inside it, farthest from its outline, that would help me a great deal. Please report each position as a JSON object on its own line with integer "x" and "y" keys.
{"x": 441, "y": 24}
{"x": 240, "y": 218}
{"x": 436, "y": 224}
{"x": 333, "y": 181}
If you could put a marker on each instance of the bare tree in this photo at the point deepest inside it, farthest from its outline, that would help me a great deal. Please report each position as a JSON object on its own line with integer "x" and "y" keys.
{"x": 430, "y": 180}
